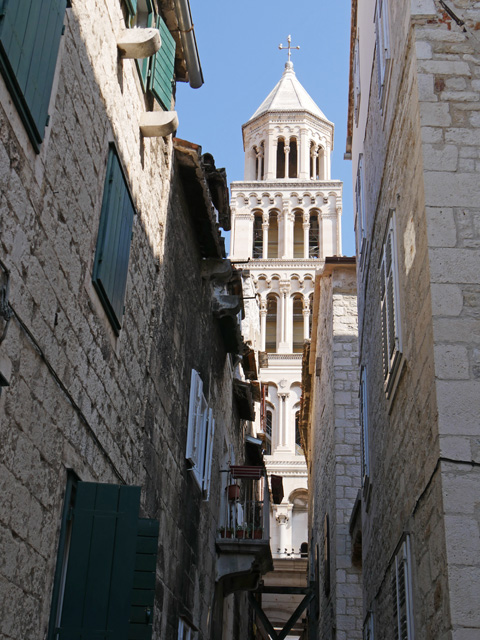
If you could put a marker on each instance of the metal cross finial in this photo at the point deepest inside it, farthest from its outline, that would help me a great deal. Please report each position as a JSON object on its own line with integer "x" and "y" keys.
{"x": 289, "y": 47}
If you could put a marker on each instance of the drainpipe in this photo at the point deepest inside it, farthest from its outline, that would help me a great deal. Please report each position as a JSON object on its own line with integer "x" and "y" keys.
{"x": 187, "y": 34}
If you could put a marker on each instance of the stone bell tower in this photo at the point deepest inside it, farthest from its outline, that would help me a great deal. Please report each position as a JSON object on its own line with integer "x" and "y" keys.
{"x": 285, "y": 220}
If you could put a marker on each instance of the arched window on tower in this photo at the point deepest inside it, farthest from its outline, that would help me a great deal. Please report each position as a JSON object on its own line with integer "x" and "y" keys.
{"x": 257, "y": 236}
{"x": 260, "y": 161}
{"x": 271, "y": 324}
{"x": 314, "y": 237}
{"x": 281, "y": 158}
{"x": 313, "y": 161}
{"x": 298, "y": 235}
{"x": 273, "y": 235}
{"x": 293, "y": 159}
{"x": 298, "y": 323}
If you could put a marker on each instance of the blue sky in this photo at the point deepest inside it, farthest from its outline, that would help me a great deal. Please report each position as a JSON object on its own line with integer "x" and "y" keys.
{"x": 238, "y": 47}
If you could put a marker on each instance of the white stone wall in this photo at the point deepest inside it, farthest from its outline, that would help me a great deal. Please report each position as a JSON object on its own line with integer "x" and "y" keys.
{"x": 334, "y": 452}
{"x": 420, "y": 152}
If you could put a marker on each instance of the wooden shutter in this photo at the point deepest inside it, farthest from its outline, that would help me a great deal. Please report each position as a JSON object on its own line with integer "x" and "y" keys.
{"x": 401, "y": 594}
{"x": 30, "y": 32}
{"x": 113, "y": 244}
{"x": 197, "y": 416}
{"x": 391, "y": 334}
{"x": 162, "y": 71}
{"x": 101, "y": 561}
{"x": 208, "y": 454}
{"x": 131, "y": 6}
{"x": 143, "y": 595}
{"x": 364, "y": 424}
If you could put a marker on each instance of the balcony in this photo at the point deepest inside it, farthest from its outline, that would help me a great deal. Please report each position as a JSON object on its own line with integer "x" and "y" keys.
{"x": 243, "y": 543}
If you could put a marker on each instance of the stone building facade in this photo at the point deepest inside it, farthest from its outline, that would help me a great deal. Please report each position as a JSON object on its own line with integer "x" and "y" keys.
{"x": 414, "y": 142}
{"x": 285, "y": 219}
{"x": 331, "y": 435}
{"x": 119, "y": 334}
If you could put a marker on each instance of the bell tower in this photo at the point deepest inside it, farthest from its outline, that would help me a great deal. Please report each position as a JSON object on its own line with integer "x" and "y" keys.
{"x": 285, "y": 220}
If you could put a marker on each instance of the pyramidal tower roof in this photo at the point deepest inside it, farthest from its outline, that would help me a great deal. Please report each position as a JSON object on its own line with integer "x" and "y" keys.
{"x": 289, "y": 95}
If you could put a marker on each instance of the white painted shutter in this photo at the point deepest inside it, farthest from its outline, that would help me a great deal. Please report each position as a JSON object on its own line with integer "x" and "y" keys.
{"x": 208, "y": 455}
{"x": 196, "y": 427}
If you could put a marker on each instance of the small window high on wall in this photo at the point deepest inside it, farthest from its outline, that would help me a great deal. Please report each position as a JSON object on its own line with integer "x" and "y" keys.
{"x": 271, "y": 324}
{"x": 273, "y": 236}
{"x": 314, "y": 237}
{"x": 257, "y": 236}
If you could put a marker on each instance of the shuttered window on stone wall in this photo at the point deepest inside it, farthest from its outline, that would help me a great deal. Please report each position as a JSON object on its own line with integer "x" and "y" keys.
{"x": 364, "y": 426}
{"x": 356, "y": 81}
{"x": 402, "y": 593}
{"x": 368, "y": 627}
{"x": 382, "y": 35}
{"x": 361, "y": 222}
{"x": 200, "y": 435}
{"x": 161, "y": 79}
{"x": 112, "y": 254}
{"x": 107, "y": 577}
{"x": 390, "y": 307}
{"x": 30, "y": 32}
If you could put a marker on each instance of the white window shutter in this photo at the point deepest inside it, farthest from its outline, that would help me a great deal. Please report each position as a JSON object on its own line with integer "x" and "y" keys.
{"x": 390, "y": 307}
{"x": 402, "y": 593}
{"x": 197, "y": 416}
{"x": 208, "y": 455}
{"x": 368, "y": 627}
{"x": 364, "y": 425}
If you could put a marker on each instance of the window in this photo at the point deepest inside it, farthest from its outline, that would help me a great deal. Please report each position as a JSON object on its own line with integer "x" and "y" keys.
{"x": 293, "y": 159}
{"x": 185, "y": 631}
{"x": 30, "y": 32}
{"x": 110, "y": 268}
{"x": 356, "y": 81}
{"x": 298, "y": 237}
{"x": 314, "y": 237}
{"x": 383, "y": 47}
{"x": 298, "y": 324}
{"x": 402, "y": 593}
{"x": 257, "y": 236}
{"x": 157, "y": 72}
{"x": 391, "y": 330}
{"x": 105, "y": 577}
{"x": 201, "y": 431}
{"x": 361, "y": 212}
{"x": 271, "y": 324}
{"x": 364, "y": 426}
{"x": 368, "y": 627}
{"x": 273, "y": 235}
{"x": 268, "y": 432}
{"x": 280, "y": 158}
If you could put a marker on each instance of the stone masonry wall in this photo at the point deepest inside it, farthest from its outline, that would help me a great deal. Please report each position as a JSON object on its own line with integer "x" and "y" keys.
{"x": 112, "y": 409}
{"x": 448, "y": 59}
{"x": 335, "y": 452}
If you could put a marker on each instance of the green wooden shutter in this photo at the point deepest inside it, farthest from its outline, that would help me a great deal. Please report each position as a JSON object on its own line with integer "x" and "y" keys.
{"x": 30, "y": 32}
{"x": 101, "y": 561}
{"x": 131, "y": 6}
{"x": 143, "y": 596}
{"x": 110, "y": 269}
{"x": 161, "y": 77}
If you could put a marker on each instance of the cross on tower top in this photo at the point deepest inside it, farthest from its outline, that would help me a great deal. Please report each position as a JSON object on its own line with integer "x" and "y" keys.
{"x": 289, "y": 47}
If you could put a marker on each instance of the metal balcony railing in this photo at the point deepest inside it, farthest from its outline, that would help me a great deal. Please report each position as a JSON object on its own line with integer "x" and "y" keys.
{"x": 247, "y": 505}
